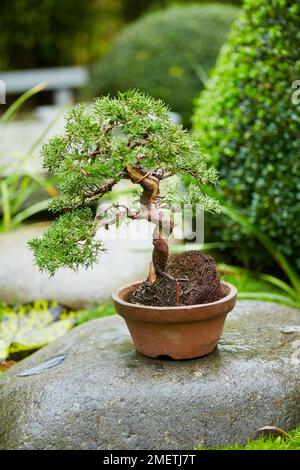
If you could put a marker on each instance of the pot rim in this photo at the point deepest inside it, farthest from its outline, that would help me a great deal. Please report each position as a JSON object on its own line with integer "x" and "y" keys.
{"x": 115, "y": 296}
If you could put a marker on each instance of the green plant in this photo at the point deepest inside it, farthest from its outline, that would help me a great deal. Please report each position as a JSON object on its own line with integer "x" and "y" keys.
{"x": 26, "y": 328}
{"x": 29, "y": 327}
{"x": 292, "y": 442}
{"x": 288, "y": 292}
{"x": 246, "y": 121}
{"x": 253, "y": 285}
{"x": 51, "y": 32}
{"x": 104, "y": 310}
{"x": 129, "y": 137}
{"x": 16, "y": 189}
{"x": 19, "y": 185}
{"x": 166, "y": 54}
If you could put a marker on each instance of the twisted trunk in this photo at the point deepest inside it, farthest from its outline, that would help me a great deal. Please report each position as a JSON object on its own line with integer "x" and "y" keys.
{"x": 163, "y": 225}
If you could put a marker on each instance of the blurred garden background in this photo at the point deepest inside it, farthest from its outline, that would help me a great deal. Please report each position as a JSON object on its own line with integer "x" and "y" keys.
{"x": 226, "y": 71}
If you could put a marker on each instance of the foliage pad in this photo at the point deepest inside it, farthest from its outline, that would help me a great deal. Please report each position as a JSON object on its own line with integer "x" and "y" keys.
{"x": 117, "y": 138}
{"x": 68, "y": 242}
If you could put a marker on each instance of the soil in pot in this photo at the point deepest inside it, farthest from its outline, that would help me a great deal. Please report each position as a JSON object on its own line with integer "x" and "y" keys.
{"x": 200, "y": 283}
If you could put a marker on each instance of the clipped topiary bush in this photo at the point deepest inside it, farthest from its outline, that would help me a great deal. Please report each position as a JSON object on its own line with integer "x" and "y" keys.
{"x": 166, "y": 54}
{"x": 247, "y": 123}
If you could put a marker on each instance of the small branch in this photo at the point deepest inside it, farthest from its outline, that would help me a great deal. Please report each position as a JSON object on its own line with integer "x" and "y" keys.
{"x": 143, "y": 177}
{"x": 127, "y": 212}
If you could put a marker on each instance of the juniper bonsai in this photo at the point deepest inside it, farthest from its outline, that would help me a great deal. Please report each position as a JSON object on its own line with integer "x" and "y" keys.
{"x": 128, "y": 137}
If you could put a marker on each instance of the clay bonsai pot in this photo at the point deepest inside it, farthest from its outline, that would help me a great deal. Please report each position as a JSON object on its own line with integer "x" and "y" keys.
{"x": 178, "y": 332}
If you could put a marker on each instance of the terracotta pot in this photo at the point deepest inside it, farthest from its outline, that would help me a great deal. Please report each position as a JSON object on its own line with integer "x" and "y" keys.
{"x": 178, "y": 332}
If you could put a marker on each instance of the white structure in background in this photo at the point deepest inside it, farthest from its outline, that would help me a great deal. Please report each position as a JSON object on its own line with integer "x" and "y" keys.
{"x": 61, "y": 80}
{"x": 2, "y": 92}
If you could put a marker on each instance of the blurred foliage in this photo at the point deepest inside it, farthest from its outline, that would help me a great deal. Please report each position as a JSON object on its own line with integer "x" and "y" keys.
{"x": 103, "y": 310}
{"x": 166, "y": 54}
{"x": 132, "y": 10}
{"x": 23, "y": 191}
{"x": 26, "y": 328}
{"x": 290, "y": 287}
{"x": 18, "y": 191}
{"x": 252, "y": 285}
{"x": 54, "y": 32}
{"x": 248, "y": 125}
{"x": 29, "y": 327}
{"x": 283, "y": 288}
{"x": 49, "y": 33}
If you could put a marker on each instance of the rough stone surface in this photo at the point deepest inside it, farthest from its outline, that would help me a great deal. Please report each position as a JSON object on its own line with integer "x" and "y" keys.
{"x": 100, "y": 394}
{"x": 126, "y": 260}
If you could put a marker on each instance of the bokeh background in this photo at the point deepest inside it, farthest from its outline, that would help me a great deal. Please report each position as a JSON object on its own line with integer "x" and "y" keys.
{"x": 226, "y": 71}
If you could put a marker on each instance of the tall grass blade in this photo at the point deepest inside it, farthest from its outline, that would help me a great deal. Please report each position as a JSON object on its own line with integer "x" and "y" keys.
{"x": 30, "y": 211}
{"x": 229, "y": 269}
{"x": 15, "y": 107}
{"x": 5, "y": 205}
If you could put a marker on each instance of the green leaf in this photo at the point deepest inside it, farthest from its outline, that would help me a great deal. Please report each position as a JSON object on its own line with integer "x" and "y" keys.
{"x": 268, "y": 297}
{"x": 103, "y": 310}
{"x": 5, "y": 203}
{"x": 30, "y": 211}
{"x": 265, "y": 277}
{"x": 32, "y": 326}
{"x": 14, "y": 108}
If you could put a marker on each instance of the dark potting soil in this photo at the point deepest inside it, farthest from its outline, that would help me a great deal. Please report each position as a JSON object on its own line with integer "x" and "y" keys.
{"x": 201, "y": 283}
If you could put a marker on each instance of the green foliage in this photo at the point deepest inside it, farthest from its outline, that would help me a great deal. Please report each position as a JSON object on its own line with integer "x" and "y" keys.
{"x": 265, "y": 443}
{"x": 245, "y": 120}
{"x": 252, "y": 285}
{"x": 132, "y": 10}
{"x": 289, "y": 292}
{"x": 18, "y": 185}
{"x": 50, "y": 32}
{"x": 103, "y": 310}
{"x": 94, "y": 154}
{"x": 30, "y": 327}
{"x": 26, "y": 328}
{"x": 68, "y": 242}
{"x": 166, "y": 54}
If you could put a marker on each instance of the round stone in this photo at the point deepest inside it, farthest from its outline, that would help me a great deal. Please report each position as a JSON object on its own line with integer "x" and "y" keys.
{"x": 91, "y": 390}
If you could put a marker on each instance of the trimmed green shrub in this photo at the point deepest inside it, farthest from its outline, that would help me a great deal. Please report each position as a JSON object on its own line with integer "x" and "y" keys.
{"x": 247, "y": 123}
{"x": 166, "y": 54}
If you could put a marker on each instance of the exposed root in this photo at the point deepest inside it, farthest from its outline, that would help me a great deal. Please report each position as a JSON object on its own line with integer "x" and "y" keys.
{"x": 199, "y": 283}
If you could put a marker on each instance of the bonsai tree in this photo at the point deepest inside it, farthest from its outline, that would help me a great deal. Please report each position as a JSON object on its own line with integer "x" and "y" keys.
{"x": 129, "y": 137}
